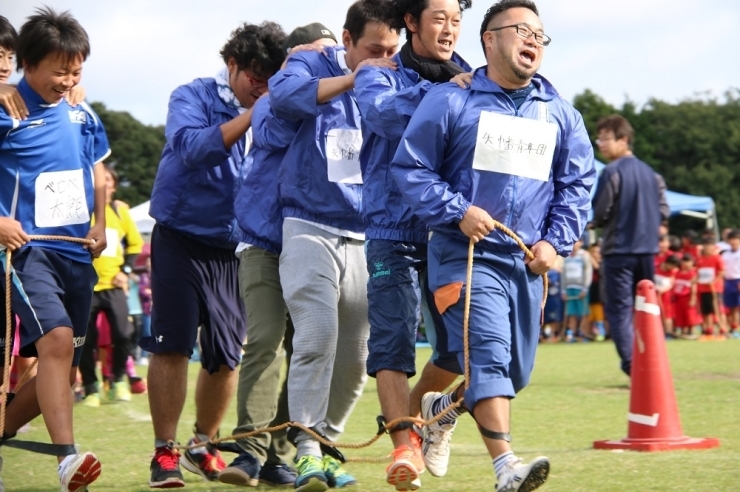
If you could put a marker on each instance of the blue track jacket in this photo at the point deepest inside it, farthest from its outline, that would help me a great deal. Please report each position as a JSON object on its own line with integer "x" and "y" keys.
{"x": 433, "y": 167}
{"x": 257, "y": 205}
{"x": 387, "y": 100}
{"x": 305, "y": 190}
{"x": 197, "y": 177}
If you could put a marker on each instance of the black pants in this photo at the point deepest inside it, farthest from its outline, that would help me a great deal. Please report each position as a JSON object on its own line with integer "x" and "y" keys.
{"x": 114, "y": 304}
{"x": 620, "y": 275}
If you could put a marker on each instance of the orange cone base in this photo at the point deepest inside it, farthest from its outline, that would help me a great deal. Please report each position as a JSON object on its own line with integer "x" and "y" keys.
{"x": 684, "y": 442}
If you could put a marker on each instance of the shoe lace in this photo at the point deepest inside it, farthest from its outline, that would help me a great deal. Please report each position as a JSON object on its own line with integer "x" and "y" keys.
{"x": 332, "y": 467}
{"x": 439, "y": 433}
{"x": 309, "y": 464}
{"x": 401, "y": 452}
{"x": 167, "y": 459}
{"x": 213, "y": 462}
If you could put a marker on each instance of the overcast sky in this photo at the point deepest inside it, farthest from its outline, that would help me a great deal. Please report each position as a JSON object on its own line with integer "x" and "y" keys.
{"x": 636, "y": 49}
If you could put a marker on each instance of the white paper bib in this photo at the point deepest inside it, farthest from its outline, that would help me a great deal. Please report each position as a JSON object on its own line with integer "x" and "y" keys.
{"x": 112, "y": 243}
{"x": 514, "y": 145}
{"x": 705, "y": 275}
{"x": 343, "y": 155}
{"x": 60, "y": 199}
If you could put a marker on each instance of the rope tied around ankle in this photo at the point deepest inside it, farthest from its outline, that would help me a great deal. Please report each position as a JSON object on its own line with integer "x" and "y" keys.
{"x": 387, "y": 426}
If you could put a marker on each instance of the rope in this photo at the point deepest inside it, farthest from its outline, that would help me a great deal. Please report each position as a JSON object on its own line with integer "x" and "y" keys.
{"x": 4, "y": 389}
{"x": 389, "y": 425}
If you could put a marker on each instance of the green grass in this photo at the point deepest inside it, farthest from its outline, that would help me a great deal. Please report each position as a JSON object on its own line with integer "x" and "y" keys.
{"x": 577, "y": 395}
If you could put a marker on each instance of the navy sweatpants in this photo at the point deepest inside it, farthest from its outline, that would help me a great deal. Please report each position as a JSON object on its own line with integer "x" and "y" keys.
{"x": 620, "y": 275}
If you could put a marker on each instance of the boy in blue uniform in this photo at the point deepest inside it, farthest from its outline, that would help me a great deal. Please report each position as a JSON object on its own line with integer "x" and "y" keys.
{"x": 396, "y": 238}
{"x": 194, "y": 269}
{"x": 322, "y": 263}
{"x": 511, "y": 149}
{"x": 50, "y": 164}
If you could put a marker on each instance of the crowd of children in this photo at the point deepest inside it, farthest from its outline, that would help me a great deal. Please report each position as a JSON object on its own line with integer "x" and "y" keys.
{"x": 697, "y": 280}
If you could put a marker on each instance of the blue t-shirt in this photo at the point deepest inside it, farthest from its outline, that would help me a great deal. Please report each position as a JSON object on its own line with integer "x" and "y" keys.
{"x": 46, "y": 176}
{"x": 519, "y": 95}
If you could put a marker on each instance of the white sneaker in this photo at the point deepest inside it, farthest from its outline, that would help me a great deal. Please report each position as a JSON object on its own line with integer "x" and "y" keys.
{"x": 436, "y": 446}
{"x": 79, "y": 472}
{"x": 518, "y": 477}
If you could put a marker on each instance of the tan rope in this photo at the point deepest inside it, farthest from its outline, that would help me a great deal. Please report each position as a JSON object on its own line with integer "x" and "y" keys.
{"x": 389, "y": 425}
{"x": 5, "y": 388}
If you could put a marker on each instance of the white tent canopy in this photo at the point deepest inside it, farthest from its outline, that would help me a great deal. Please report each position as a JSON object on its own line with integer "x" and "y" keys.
{"x": 140, "y": 215}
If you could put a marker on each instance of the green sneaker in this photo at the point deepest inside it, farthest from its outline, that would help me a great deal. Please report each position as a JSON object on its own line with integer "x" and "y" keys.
{"x": 91, "y": 400}
{"x": 336, "y": 475}
{"x": 119, "y": 392}
{"x": 311, "y": 477}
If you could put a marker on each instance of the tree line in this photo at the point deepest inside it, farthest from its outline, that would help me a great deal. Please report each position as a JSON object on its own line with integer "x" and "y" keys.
{"x": 694, "y": 144}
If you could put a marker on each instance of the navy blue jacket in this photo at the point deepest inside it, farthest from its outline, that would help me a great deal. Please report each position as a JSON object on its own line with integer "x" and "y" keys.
{"x": 257, "y": 205}
{"x": 305, "y": 190}
{"x": 197, "y": 177}
{"x": 434, "y": 167}
{"x": 387, "y": 100}
{"x": 629, "y": 205}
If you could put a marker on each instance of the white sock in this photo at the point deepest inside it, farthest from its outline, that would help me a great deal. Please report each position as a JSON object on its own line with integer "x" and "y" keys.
{"x": 65, "y": 462}
{"x": 308, "y": 447}
{"x": 499, "y": 463}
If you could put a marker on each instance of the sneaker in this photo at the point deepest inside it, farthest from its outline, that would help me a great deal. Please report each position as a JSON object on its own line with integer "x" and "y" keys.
{"x": 79, "y": 472}
{"x": 277, "y": 475}
{"x": 336, "y": 475}
{"x": 518, "y": 477}
{"x": 204, "y": 461}
{"x": 404, "y": 471}
{"x": 243, "y": 471}
{"x": 138, "y": 386}
{"x": 119, "y": 392}
{"x": 311, "y": 476}
{"x": 437, "y": 437}
{"x": 92, "y": 400}
{"x": 165, "y": 469}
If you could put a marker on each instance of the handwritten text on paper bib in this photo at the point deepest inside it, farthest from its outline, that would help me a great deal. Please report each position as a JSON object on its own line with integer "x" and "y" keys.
{"x": 514, "y": 145}
{"x": 343, "y": 155}
{"x": 60, "y": 199}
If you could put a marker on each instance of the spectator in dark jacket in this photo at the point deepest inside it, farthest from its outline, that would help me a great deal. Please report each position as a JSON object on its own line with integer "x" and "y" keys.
{"x": 629, "y": 206}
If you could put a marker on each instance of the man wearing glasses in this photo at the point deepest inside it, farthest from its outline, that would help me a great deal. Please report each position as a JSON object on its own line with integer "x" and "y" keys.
{"x": 194, "y": 269}
{"x": 510, "y": 149}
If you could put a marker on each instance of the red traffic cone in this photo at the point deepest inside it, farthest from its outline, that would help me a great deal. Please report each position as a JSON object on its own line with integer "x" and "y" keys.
{"x": 653, "y": 420}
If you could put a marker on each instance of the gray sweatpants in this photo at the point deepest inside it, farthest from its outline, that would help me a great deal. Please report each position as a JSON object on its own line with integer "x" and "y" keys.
{"x": 324, "y": 279}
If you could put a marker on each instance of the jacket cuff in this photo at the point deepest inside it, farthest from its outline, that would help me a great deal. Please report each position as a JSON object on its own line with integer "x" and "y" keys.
{"x": 560, "y": 248}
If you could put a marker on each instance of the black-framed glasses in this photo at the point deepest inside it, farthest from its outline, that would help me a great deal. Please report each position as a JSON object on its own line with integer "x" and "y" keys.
{"x": 525, "y": 32}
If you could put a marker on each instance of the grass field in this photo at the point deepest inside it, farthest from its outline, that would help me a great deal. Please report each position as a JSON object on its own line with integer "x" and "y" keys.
{"x": 577, "y": 395}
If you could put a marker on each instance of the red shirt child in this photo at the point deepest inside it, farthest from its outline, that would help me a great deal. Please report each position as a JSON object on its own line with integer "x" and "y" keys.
{"x": 710, "y": 270}
{"x": 665, "y": 277}
{"x": 684, "y": 295}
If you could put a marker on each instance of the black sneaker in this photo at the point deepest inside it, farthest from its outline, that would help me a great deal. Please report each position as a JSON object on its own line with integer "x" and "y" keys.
{"x": 277, "y": 475}
{"x": 243, "y": 471}
{"x": 165, "y": 469}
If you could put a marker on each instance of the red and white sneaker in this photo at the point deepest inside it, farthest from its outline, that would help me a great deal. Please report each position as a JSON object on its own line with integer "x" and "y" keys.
{"x": 78, "y": 471}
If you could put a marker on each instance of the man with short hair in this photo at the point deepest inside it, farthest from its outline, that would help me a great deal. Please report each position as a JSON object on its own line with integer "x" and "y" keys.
{"x": 260, "y": 216}
{"x": 629, "y": 206}
{"x": 396, "y": 238}
{"x": 52, "y": 183}
{"x": 194, "y": 269}
{"x": 322, "y": 263}
{"x": 510, "y": 149}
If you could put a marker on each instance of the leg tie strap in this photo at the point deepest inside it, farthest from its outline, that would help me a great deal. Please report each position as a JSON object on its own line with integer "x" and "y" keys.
{"x": 401, "y": 426}
{"x": 40, "y": 447}
{"x": 499, "y": 436}
{"x": 325, "y": 449}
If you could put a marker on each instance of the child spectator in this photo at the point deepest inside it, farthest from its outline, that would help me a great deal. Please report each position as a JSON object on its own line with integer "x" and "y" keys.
{"x": 675, "y": 245}
{"x": 596, "y": 308}
{"x": 145, "y": 296}
{"x": 577, "y": 276}
{"x": 665, "y": 276}
{"x": 551, "y": 331}
{"x": 664, "y": 244}
{"x": 689, "y": 244}
{"x": 684, "y": 298}
{"x": 709, "y": 279}
{"x": 731, "y": 258}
